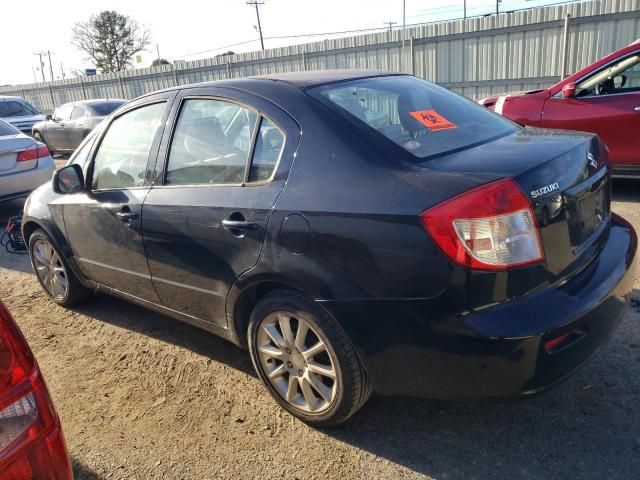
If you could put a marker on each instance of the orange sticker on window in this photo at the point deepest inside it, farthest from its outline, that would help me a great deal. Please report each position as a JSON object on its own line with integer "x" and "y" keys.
{"x": 432, "y": 120}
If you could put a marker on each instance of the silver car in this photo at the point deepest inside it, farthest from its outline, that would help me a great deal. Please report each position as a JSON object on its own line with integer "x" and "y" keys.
{"x": 18, "y": 112}
{"x": 63, "y": 131}
{"x": 24, "y": 163}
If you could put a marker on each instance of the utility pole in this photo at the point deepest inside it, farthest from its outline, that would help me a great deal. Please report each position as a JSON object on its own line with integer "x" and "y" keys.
{"x": 39, "y": 54}
{"x": 255, "y": 3}
{"x": 62, "y": 71}
{"x": 158, "y": 51}
{"x": 404, "y": 36}
{"x": 498, "y": 7}
{"x": 390, "y": 25}
{"x": 465, "y": 9}
{"x": 50, "y": 65}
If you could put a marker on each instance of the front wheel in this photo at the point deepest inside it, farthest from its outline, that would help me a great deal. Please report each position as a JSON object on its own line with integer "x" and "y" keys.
{"x": 53, "y": 272}
{"x": 306, "y": 360}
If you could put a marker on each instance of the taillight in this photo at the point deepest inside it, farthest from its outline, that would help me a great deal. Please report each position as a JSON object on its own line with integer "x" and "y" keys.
{"x": 491, "y": 227}
{"x": 31, "y": 441}
{"x": 33, "y": 153}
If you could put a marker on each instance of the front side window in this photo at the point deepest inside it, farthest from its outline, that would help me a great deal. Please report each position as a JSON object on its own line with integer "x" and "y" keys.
{"x": 121, "y": 159}
{"x": 211, "y": 143}
{"x": 78, "y": 112}
{"x": 81, "y": 154}
{"x": 63, "y": 113}
{"x": 420, "y": 117}
{"x": 621, "y": 77}
{"x": 17, "y": 108}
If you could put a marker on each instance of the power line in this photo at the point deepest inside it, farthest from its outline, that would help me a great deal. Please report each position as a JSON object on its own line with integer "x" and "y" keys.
{"x": 362, "y": 30}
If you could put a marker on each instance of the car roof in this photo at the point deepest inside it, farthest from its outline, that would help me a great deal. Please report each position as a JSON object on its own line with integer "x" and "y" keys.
{"x": 95, "y": 101}
{"x": 314, "y": 78}
{"x": 6, "y": 98}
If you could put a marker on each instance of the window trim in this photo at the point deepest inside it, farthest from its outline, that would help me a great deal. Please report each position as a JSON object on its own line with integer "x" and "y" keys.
{"x": 259, "y": 116}
{"x": 558, "y": 94}
{"x": 98, "y": 144}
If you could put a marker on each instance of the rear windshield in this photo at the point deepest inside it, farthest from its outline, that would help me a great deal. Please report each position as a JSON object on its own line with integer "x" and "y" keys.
{"x": 6, "y": 129}
{"x": 16, "y": 108}
{"x": 104, "y": 109}
{"x": 419, "y": 116}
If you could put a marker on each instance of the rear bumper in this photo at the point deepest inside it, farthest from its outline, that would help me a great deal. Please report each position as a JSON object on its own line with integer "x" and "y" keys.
{"x": 19, "y": 185}
{"x": 410, "y": 349}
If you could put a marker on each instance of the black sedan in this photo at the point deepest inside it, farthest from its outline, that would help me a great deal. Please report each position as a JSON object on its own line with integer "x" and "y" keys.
{"x": 356, "y": 231}
{"x": 70, "y": 123}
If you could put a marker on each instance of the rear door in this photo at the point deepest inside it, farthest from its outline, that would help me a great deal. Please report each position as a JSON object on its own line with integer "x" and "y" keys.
{"x": 218, "y": 176}
{"x": 56, "y": 133}
{"x": 103, "y": 224}
{"x": 607, "y": 102}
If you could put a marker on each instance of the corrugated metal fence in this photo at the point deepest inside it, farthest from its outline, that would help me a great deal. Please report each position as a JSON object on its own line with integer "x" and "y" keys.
{"x": 520, "y": 50}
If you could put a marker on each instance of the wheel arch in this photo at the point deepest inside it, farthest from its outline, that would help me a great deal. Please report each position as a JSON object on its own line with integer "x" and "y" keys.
{"x": 242, "y": 299}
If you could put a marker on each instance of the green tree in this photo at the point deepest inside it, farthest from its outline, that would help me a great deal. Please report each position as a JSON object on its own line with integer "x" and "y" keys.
{"x": 160, "y": 61}
{"x": 110, "y": 40}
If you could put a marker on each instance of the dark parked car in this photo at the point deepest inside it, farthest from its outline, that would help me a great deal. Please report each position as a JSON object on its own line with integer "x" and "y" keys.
{"x": 72, "y": 122}
{"x": 357, "y": 231}
{"x": 32, "y": 444}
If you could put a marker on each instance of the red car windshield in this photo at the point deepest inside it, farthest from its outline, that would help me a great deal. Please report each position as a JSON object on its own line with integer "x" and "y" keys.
{"x": 422, "y": 118}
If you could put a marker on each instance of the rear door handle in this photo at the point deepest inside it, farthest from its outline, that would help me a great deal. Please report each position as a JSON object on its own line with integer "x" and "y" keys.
{"x": 127, "y": 216}
{"x": 239, "y": 225}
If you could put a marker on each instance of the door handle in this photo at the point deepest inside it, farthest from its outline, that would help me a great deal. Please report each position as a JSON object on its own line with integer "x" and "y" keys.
{"x": 239, "y": 224}
{"x": 127, "y": 216}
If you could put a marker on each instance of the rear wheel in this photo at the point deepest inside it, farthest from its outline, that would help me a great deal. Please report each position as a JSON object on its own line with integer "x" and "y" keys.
{"x": 306, "y": 360}
{"x": 53, "y": 272}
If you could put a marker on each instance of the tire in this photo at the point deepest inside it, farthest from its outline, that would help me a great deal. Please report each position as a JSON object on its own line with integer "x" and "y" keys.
{"x": 277, "y": 358}
{"x": 37, "y": 136}
{"x": 52, "y": 271}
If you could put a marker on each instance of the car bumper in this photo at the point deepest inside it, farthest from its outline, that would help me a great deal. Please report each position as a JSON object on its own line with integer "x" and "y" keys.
{"x": 19, "y": 185}
{"x": 408, "y": 348}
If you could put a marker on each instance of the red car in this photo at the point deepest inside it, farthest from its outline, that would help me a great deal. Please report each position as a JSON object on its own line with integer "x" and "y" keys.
{"x": 603, "y": 98}
{"x": 32, "y": 445}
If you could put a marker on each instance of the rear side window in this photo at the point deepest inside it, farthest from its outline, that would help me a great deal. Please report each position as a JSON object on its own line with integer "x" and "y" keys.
{"x": 104, "y": 109}
{"x": 211, "y": 143}
{"x": 420, "y": 117}
{"x": 121, "y": 159}
{"x": 267, "y": 152}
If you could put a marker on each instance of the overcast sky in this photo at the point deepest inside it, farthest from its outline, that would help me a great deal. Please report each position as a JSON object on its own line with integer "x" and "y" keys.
{"x": 186, "y": 27}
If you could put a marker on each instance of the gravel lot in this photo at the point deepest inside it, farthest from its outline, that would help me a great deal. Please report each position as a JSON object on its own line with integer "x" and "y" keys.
{"x": 143, "y": 396}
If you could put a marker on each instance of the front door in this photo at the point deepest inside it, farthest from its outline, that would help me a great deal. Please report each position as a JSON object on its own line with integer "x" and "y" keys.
{"x": 104, "y": 224}
{"x": 205, "y": 220}
{"x": 607, "y": 103}
{"x": 56, "y": 133}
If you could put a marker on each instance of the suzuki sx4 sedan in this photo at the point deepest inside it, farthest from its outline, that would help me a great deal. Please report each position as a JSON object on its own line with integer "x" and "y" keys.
{"x": 355, "y": 231}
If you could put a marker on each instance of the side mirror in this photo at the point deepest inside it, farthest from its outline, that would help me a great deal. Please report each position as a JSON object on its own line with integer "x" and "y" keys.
{"x": 569, "y": 90}
{"x": 68, "y": 179}
{"x": 48, "y": 117}
{"x": 619, "y": 81}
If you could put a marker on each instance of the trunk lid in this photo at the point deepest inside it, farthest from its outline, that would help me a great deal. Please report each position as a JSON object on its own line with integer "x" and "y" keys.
{"x": 10, "y": 146}
{"x": 566, "y": 176}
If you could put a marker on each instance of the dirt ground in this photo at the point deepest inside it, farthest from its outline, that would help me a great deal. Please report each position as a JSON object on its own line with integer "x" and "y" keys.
{"x": 142, "y": 396}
